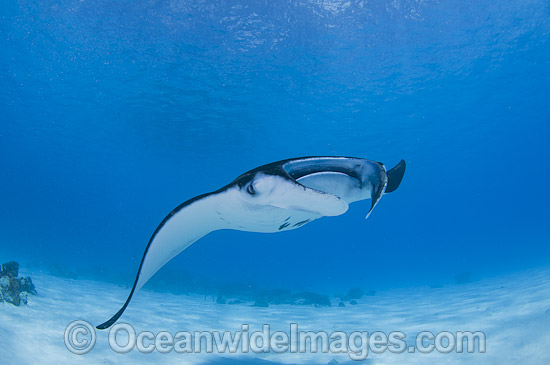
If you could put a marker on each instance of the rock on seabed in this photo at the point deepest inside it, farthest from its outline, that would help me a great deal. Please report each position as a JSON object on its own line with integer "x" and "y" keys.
{"x": 14, "y": 289}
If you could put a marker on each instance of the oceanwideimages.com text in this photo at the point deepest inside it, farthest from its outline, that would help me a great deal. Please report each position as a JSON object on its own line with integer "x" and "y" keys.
{"x": 80, "y": 338}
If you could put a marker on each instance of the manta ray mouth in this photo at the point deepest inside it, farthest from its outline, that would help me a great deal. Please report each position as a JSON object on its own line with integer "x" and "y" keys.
{"x": 297, "y": 169}
{"x": 349, "y": 178}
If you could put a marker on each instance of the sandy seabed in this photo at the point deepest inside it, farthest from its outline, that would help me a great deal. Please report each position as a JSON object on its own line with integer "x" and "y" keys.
{"x": 512, "y": 311}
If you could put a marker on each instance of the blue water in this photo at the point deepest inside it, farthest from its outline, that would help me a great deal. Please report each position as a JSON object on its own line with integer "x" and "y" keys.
{"x": 113, "y": 113}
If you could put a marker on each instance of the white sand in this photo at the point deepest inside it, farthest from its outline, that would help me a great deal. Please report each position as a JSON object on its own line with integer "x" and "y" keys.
{"x": 513, "y": 312}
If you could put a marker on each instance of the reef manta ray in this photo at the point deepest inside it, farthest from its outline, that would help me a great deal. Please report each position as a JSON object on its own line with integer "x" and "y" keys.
{"x": 276, "y": 197}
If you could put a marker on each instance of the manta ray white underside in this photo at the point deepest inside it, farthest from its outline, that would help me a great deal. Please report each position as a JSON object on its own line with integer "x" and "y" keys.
{"x": 276, "y": 197}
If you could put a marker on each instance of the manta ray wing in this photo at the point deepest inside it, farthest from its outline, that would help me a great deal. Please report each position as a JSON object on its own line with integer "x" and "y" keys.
{"x": 180, "y": 229}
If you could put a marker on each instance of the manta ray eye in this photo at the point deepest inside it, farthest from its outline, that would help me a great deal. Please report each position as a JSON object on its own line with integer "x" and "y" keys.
{"x": 250, "y": 189}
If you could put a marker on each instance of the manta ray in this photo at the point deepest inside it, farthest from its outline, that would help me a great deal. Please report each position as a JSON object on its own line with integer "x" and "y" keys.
{"x": 276, "y": 197}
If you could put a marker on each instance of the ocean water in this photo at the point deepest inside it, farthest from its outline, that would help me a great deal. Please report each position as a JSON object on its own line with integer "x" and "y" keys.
{"x": 114, "y": 113}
